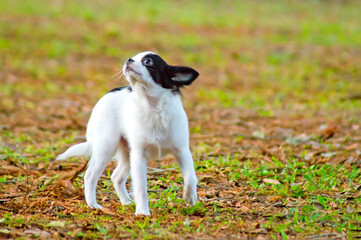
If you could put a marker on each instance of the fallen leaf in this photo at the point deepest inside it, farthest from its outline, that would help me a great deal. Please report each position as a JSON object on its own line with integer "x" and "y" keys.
{"x": 355, "y": 127}
{"x": 261, "y": 237}
{"x": 107, "y": 211}
{"x": 68, "y": 186}
{"x": 328, "y": 154}
{"x": 258, "y": 134}
{"x": 351, "y": 147}
{"x": 236, "y": 204}
{"x": 271, "y": 181}
{"x": 319, "y": 206}
{"x": 329, "y": 131}
{"x": 224, "y": 227}
{"x": 333, "y": 204}
{"x": 37, "y": 232}
{"x": 4, "y": 231}
{"x": 275, "y": 198}
{"x": 56, "y": 224}
{"x": 210, "y": 194}
{"x": 205, "y": 178}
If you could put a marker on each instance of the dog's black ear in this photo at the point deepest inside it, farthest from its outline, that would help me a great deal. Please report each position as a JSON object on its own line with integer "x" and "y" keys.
{"x": 181, "y": 76}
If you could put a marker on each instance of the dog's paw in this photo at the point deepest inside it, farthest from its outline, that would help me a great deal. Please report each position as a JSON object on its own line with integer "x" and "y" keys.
{"x": 94, "y": 205}
{"x": 126, "y": 202}
{"x": 191, "y": 199}
{"x": 142, "y": 212}
{"x": 190, "y": 195}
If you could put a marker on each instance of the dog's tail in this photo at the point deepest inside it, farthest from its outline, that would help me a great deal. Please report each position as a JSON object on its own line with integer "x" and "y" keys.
{"x": 81, "y": 149}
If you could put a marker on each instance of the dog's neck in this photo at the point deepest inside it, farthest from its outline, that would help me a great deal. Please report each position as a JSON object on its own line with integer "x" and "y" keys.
{"x": 152, "y": 106}
{"x": 150, "y": 96}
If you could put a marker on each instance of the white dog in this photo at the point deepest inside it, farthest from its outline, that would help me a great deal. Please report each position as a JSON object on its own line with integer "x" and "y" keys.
{"x": 135, "y": 123}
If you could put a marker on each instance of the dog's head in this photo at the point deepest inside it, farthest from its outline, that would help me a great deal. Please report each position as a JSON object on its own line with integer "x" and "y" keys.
{"x": 151, "y": 70}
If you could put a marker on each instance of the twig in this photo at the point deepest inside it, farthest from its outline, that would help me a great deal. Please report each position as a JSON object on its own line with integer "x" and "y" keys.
{"x": 158, "y": 170}
{"x": 7, "y": 198}
{"x": 10, "y": 181}
{"x": 78, "y": 171}
{"x": 352, "y": 97}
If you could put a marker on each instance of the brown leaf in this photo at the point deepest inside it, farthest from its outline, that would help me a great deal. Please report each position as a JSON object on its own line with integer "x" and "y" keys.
{"x": 205, "y": 178}
{"x": 275, "y": 198}
{"x": 68, "y": 186}
{"x": 351, "y": 147}
{"x": 236, "y": 204}
{"x": 38, "y": 232}
{"x": 329, "y": 132}
{"x": 271, "y": 181}
{"x": 107, "y": 211}
{"x": 333, "y": 204}
{"x": 319, "y": 206}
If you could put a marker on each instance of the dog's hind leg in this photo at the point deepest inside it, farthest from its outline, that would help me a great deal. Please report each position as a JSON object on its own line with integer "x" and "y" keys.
{"x": 102, "y": 154}
{"x": 120, "y": 175}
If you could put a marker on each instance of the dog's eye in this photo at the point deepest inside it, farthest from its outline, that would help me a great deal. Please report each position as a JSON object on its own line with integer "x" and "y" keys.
{"x": 148, "y": 62}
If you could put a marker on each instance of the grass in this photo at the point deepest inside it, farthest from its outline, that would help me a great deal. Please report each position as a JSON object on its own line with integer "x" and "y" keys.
{"x": 300, "y": 199}
{"x": 274, "y": 116}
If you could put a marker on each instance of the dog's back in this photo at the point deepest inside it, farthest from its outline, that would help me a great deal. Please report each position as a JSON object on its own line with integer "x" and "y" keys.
{"x": 105, "y": 119}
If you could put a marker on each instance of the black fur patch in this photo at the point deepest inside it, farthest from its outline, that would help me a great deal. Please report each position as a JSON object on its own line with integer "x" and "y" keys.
{"x": 170, "y": 77}
{"x": 121, "y": 88}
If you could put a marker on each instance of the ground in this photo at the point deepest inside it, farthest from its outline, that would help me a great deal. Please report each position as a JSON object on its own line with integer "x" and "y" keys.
{"x": 274, "y": 117}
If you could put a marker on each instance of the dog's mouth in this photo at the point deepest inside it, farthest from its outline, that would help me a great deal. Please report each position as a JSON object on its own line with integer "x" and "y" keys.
{"x": 128, "y": 69}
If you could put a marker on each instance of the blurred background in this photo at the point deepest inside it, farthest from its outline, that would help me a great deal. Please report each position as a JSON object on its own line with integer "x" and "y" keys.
{"x": 298, "y": 56}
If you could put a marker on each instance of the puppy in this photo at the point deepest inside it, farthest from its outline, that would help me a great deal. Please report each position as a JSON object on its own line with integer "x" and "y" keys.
{"x": 133, "y": 124}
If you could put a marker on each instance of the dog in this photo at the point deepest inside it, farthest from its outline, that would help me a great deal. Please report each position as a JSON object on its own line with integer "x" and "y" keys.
{"x": 132, "y": 124}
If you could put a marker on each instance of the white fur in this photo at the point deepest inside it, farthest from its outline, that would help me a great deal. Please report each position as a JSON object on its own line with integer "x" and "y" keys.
{"x": 152, "y": 120}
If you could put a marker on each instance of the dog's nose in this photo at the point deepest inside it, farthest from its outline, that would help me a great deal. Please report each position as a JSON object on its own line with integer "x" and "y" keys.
{"x": 129, "y": 61}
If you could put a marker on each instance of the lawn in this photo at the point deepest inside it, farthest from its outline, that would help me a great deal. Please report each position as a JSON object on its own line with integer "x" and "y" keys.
{"x": 275, "y": 117}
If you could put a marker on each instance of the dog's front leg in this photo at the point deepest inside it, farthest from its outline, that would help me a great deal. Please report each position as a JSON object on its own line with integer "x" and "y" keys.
{"x": 138, "y": 172}
{"x": 185, "y": 161}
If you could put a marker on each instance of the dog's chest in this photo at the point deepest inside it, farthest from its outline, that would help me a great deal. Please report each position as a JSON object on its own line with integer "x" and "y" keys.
{"x": 155, "y": 122}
